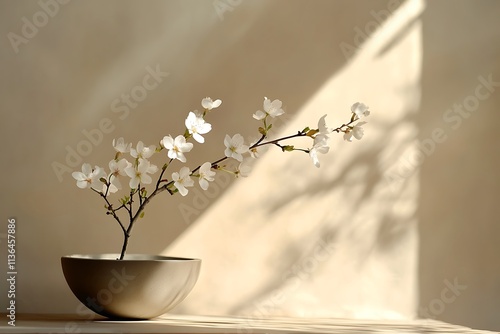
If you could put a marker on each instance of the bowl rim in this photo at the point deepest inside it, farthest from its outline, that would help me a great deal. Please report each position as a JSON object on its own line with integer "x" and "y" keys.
{"x": 128, "y": 257}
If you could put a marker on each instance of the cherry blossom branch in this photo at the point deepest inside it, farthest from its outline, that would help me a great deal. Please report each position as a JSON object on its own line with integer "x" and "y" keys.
{"x": 257, "y": 144}
{"x": 346, "y": 125}
{"x": 137, "y": 215}
{"x": 163, "y": 169}
{"x": 111, "y": 211}
{"x": 139, "y": 170}
{"x": 259, "y": 141}
{"x": 276, "y": 141}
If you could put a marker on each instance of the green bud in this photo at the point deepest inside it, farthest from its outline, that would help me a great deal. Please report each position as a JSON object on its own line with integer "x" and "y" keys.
{"x": 103, "y": 180}
{"x": 288, "y": 148}
{"x": 142, "y": 214}
{"x": 124, "y": 200}
{"x": 262, "y": 131}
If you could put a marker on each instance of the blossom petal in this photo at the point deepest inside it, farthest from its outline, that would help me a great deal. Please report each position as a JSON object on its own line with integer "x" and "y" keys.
{"x": 182, "y": 190}
{"x": 203, "y": 183}
{"x": 167, "y": 142}
{"x": 323, "y": 129}
{"x": 86, "y": 169}
{"x": 146, "y": 179}
{"x": 134, "y": 182}
{"x": 216, "y": 103}
{"x": 208, "y": 104}
{"x": 314, "y": 156}
{"x": 259, "y": 115}
{"x": 348, "y": 136}
{"x": 204, "y": 128}
{"x": 360, "y": 109}
{"x": 267, "y": 104}
{"x": 237, "y": 156}
{"x": 199, "y": 138}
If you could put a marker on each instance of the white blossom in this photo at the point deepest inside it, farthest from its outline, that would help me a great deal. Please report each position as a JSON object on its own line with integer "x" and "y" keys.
{"x": 355, "y": 131}
{"x": 206, "y": 175}
{"x": 322, "y": 128}
{"x": 254, "y": 152}
{"x": 89, "y": 177}
{"x": 271, "y": 108}
{"x": 360, "y": 109}
{"x": 244, "y": 168}
{"x": 176, "y": 147}
{"x": 197, "y": 126}
{"x": 120, "y": 145}
{"x": 182, "y": 180}
{"x": 235, "y": 147}
{"x": 320, "y": 145}
{"x": 117, "y": 168}
{"x": 208, "y": 104}
{"x": 139, "y": 174}
{"x": 142, "y": 152}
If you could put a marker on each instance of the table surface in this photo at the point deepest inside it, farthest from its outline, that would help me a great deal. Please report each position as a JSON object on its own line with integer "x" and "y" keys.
{"x": 214, "y": 324}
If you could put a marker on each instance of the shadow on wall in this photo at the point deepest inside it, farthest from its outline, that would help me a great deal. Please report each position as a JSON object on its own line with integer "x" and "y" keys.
{"x": 292, "y": 207}
{"x": 384, "y": 235}
{"x": 459, "y": 275}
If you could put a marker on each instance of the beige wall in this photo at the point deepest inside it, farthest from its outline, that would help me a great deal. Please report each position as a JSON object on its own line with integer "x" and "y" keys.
{"x": 396, "y": 245}
{"x": 458, "y": 202}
